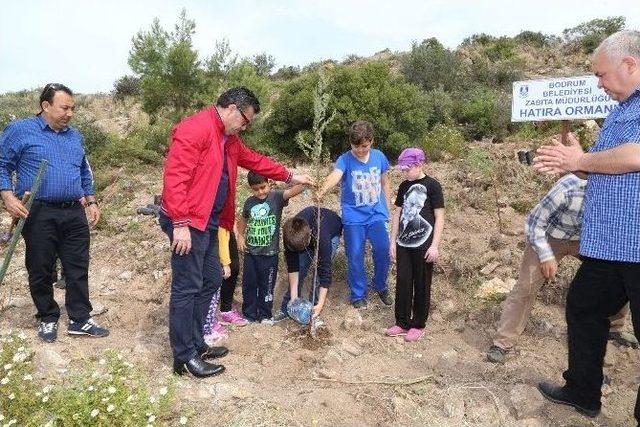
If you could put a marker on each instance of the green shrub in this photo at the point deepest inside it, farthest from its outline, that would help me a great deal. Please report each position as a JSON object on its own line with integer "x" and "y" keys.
{"x": 444, "y": 139}
{"x": 526, "y": 130}
{"x": 536, "y": 39}
{"x": 431, "y": 66}
{"x": 95, "y": 138}
{"x": 126, "y": 86}
{"x": 485, "y": 112}
{"x": 588, "y": 35}
{"x": 112, "y": 393}
{"x": 398, "y": 110}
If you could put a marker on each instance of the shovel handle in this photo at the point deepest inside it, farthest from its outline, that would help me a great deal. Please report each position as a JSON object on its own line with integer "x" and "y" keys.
{"x": 14, "y": 221}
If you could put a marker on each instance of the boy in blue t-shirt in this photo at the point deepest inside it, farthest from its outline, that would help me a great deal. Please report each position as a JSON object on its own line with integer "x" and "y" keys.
{"x": 365, "y": 201}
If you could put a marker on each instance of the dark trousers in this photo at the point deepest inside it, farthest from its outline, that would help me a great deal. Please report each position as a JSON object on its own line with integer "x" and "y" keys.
{"x": 50, "y": 232}
{"x": 413, "y": 288}
{"x": 259, "y": 274}
{"x": 599, "y": 290}
{"x": 305, "y": 259}
{"x": 196, "y": 276}
{"x": 229, "y": 284}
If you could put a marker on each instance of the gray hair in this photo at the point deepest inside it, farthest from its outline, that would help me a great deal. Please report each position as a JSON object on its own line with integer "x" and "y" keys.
{"x": 620, "y": 44}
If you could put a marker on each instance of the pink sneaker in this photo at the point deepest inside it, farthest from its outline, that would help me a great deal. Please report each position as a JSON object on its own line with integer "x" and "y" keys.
{"x": 414, "y": 335}
{"x": 232, "y": 318}
{"x": 396, "y": 331}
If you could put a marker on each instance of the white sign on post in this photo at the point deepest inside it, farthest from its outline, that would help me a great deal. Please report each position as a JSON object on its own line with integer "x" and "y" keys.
{"x": 570, "y": 98}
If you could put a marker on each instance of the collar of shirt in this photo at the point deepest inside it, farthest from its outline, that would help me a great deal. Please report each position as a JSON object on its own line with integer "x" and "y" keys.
{"x": 43, "y": 124}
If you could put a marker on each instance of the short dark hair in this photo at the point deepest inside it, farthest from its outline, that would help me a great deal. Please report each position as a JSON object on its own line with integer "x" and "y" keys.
{"x": 360, "y": 132}
{"x": 255, "y": 178}
{"x": 242, "y": 97}
{"x": 296, "y": 233}
{"x": 50, "y": 90}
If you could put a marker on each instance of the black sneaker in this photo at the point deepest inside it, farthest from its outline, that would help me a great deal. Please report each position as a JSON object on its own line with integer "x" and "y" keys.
{"x": 360, "y": 304}
{"x": 561, "y": 395}
{"x": 48, "y": 331}
{"x": 385, "y": 297}
{"x": 90, "y": 327}
{"x": 625, "y": 339}
{"x": 496, "y": 354}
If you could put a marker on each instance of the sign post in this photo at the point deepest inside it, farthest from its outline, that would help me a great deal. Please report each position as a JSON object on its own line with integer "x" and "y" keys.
{"x": 566, "y": 99}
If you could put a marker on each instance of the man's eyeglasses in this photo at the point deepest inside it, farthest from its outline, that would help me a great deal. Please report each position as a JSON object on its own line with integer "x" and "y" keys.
{"x": 244, "y": 117}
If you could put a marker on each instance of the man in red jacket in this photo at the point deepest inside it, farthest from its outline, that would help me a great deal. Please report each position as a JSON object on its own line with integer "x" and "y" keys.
{"x": 199, "y": 196}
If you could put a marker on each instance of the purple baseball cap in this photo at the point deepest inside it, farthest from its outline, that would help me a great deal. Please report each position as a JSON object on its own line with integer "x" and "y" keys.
{"x": 410, "y": 157}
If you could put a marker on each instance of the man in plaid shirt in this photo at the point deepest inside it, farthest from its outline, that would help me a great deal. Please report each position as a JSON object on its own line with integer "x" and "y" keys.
{"x": 609, "y": 276}
{"x": 552, "y": 232}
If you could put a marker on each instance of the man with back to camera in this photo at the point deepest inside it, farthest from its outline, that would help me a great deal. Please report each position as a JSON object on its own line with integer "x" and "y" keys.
{"x": 56, "y": 225}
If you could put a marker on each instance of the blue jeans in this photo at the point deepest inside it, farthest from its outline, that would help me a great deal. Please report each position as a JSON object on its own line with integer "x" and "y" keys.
{"x": 355, "y": 238}
{"x": 196, "y": 276}
{"x": 305, "y": 258}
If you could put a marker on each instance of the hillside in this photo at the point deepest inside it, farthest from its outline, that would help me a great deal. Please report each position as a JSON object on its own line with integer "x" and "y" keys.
{"x": 353, "y": 374}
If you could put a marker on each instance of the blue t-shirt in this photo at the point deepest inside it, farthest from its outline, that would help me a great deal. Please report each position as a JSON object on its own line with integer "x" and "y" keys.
{"x": 363, "y": 200}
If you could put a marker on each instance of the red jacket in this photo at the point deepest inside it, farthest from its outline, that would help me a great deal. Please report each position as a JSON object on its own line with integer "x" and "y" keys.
{"x": 193, "y": 168}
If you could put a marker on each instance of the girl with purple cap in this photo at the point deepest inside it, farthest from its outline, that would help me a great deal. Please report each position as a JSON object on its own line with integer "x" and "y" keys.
{"x": 416, "y": 232}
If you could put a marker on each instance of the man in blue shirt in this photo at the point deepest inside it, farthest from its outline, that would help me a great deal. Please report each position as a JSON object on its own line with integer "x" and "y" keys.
{"x": 57, "y": 224}
{"x": 610, "y": 241}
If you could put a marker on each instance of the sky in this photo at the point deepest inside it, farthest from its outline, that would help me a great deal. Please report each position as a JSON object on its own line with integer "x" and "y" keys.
{"x": 85, "y": 43}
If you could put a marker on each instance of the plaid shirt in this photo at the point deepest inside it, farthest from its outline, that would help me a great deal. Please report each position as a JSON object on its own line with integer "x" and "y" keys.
{"x": 611, "y": 229}
{"x": 557, "y": 215}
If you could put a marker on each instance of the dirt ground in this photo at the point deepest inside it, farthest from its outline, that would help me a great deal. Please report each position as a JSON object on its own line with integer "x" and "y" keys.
{"x": 352, "y": 374}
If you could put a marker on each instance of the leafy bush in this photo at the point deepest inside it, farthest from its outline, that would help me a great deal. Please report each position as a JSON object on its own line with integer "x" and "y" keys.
{"x": 536, "y": 39}
{"x": 17, "y": 105}
{"x": 431, "y": 66}
{"x": 398, "y": 110}
{"x": 95, "y": 138}
{"x": 444, "y": 139}
{"x": 126, "y": 86}
{"x": 111, "y": 393}
{"x": 588, "y": 35}
{"x": 484, "y": 112}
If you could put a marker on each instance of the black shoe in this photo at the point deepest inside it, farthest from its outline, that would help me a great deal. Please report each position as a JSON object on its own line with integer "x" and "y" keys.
{"x": 213, "y": 352}
{"x": 625, "y": 339}
{"x": 48, "y": 331}
{"x": 360, "y": 304}
{"x": 198, "y": 368}
{"x": 560, "y": 395}
{"x": 385, "y": 297}
{"x": 496, "y": 354}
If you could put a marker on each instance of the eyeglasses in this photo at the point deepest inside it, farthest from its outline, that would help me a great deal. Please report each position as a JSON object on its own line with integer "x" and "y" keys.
{"x": 244, "y": 117}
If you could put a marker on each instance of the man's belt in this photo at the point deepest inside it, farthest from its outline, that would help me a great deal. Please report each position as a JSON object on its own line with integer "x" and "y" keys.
{"x": 60, "y": 205}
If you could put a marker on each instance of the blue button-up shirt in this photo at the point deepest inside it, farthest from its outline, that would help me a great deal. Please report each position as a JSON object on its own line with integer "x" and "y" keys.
{"x": 611, "y": 224}
{"x": 23, "y": 145}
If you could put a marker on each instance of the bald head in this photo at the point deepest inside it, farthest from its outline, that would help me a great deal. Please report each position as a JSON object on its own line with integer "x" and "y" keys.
{"x": 616, "y": 63}
{"x": 620, "y": 44}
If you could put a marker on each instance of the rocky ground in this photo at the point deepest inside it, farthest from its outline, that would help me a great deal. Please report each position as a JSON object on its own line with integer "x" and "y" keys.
{"x": 352, "y": 374}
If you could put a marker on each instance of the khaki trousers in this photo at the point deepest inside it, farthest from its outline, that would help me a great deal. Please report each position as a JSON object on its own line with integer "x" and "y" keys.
{"x": 517, "y": 307}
